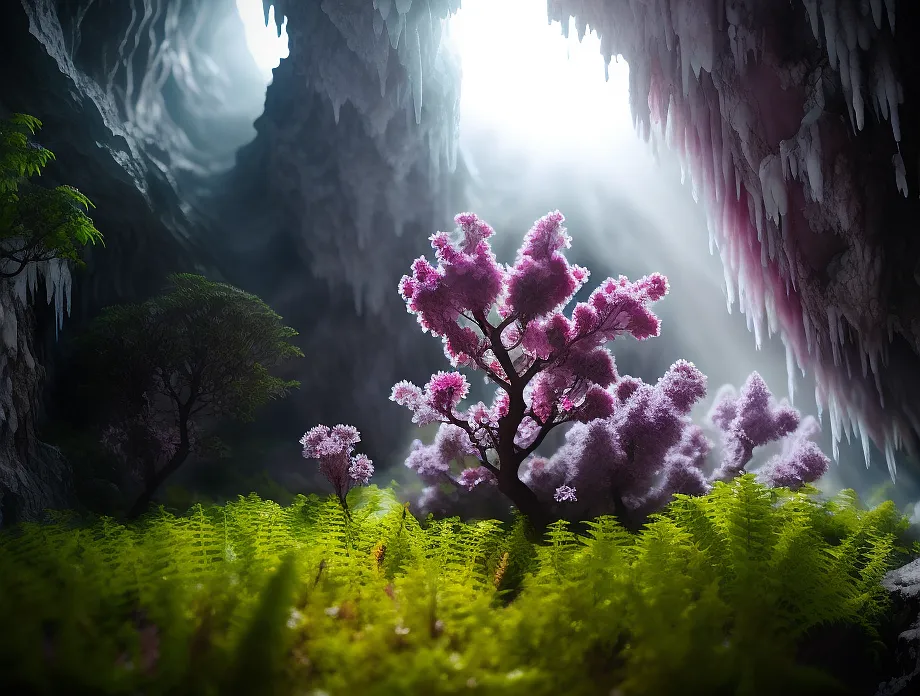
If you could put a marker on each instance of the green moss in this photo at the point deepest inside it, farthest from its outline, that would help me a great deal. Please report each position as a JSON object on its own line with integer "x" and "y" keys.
{"x": 714, "y": 596}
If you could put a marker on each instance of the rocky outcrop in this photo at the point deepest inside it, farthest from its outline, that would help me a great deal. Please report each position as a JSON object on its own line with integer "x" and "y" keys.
{"x": 145, "y": 104}
{"x": 350, "y": 173}
{"x": 795, "y": 122}
{"x": 33, "y": 475}
{"x": 106, "y": 80}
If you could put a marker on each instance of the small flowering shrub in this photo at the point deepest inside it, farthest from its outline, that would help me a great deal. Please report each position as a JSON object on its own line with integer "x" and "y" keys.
{"x": 630, "y": 446}
{"x": 333, "y": 447}
{"x": 719, "y": 595}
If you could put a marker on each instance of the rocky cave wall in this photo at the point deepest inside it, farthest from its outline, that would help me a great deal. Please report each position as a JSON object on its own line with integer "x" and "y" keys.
{"x": 784, "y": 113}
{"x": 94, "y": 73}
{"x": 353, "y": 168}
{"x": 145, "y": 106}
{"x": 116, "y": 85}
{"x": 793, "y": 119}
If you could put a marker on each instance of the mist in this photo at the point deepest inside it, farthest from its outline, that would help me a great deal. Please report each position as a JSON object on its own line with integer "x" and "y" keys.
{"x": 543, "y": 127}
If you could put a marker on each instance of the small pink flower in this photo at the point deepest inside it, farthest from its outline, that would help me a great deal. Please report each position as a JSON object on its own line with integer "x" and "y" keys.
{"x": 333, "y": 447}
{"x": 565, "y": 494}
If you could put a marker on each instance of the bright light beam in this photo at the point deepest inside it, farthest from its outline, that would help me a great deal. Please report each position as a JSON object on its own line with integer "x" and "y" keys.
{"x": 523, "y": 78}
{"x": 266, "y": 47}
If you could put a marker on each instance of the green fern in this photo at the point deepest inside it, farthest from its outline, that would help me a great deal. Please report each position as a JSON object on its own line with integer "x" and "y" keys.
{"x": 715, "y": 595}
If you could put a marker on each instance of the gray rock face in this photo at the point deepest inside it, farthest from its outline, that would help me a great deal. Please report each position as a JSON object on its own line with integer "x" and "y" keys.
{"x": 114, "y": 127}
{"x": 145, "y": 105}
{"x": 33, "y": 475}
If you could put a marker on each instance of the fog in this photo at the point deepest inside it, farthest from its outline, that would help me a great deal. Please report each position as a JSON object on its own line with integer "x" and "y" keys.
{"x": 544, "y": 126}
{"x": 542, "y": 129}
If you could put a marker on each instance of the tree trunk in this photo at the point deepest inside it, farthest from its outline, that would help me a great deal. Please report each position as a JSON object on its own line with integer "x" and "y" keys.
{"x": 140, "y": 505}
{"x": 152, "y": 484}
{"x": 526, "y": 501}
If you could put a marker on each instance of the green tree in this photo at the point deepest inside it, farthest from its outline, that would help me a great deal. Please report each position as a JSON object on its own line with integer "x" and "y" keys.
{"x": 36, "y": 223}
{"x": 197, "y": 354}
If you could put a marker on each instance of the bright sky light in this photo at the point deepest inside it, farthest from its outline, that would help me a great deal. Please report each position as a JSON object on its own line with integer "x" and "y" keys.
{"x": 522, "y": 76}
{"x": 266, "y": 46}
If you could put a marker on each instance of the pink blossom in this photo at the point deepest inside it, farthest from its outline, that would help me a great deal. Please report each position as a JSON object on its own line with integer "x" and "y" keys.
{"x": 542, "y": 279}
{"x": 750, "y": 420}
{"x": 565, "y": 494}
{"x": 412, "y": 397}
{"x": 472, "y": 477}
{"x": 598, "y": 403}
{"x": 467, "y": 281}
{"x": 333, "y": 448}
{"x": 446, "y": 390}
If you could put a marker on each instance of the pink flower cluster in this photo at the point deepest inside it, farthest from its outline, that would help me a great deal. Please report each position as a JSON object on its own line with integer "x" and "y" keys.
{"x": 752, "y": 418}
{"x": 644, "y": 452}
{"x": 333, "y": 448}
{"x": 631, "y": 445}
{"x": 508, "y": 322}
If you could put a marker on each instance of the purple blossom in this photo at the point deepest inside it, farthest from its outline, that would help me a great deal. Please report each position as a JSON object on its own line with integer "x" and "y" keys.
{"x": 433, "y": 462}
{"x": 565, "y": 494}
{"x": 749, "y": 420}
{"x": 542, "y": 280}
{"x": 683, "y": 384}
{"x": 800, "y": 461}
{"x": 470, "y": 478}
{"x": 630, "y": 445}
{"x": 361, "y": 470}
{"x": 333, "y": 448}
{"x": 629, "y": 454}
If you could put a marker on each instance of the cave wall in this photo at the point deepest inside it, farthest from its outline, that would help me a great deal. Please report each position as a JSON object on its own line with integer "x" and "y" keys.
{"x": 794, "y": 121}
{"x": 145, "y": 107}
{"x": 96, "y": 74}
{"x": 354, "y": 166}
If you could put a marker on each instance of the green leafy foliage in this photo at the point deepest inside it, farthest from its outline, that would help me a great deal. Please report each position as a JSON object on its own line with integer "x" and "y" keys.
{"x": 203, "y": 345}
{"x": 36, "y": 223}
{"x": 710, "y": 597}
{"x": 200, "y": 351}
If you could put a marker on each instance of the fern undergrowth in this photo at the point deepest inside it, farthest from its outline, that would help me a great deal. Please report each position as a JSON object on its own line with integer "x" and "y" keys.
{"x": 711, "y": 597}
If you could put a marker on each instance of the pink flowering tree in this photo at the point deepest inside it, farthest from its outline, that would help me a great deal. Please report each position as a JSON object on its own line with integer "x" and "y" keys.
{"x": 333, "y": 448}
{"x": 508, "y": 322}
{"x": 630, "y": 445}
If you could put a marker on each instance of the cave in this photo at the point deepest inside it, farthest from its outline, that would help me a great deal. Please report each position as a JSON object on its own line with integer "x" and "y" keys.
{"x": 749, "y": 164}
{"x": 789, "y": 121}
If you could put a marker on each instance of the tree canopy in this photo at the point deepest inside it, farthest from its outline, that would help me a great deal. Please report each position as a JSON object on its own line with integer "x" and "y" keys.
{"x": 201, "y": 350}
{"x": 36, "y": 223}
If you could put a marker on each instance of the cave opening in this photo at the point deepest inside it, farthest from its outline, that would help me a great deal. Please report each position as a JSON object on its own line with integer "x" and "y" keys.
{"x": 544, "y": 124}
{"x": 267, "y": 45}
